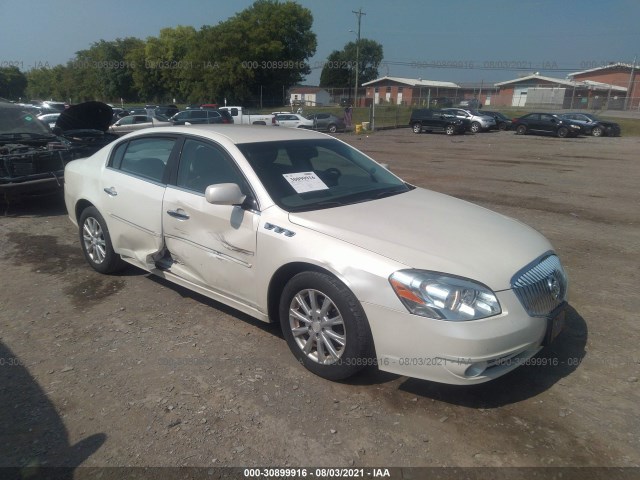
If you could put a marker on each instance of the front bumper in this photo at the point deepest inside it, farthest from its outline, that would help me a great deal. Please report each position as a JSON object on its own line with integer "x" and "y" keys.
{"x": 461, "y": 353}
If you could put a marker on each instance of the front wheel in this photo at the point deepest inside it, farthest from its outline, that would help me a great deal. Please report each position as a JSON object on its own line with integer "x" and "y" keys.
{"x": 450, "y": 130}
{"x": 597, "y": 131}
{"x": 475, "y": 127}
{"x": 563, "y": 132}
{"x": 96, "y": 242}
{"x": 325, "y": 326}
{"x": 333, "y": 128}
{"x": 417, "y": 128}
{"x": 521, "y": 130}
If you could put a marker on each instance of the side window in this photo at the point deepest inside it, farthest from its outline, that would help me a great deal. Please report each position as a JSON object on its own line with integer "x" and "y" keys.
{"x": 198, "y": 114}
{"x": 126, "y": 120}
{"x": 203, "y": 164}
{"x": 546, "y": 118}
{"x": 147, "y": 157}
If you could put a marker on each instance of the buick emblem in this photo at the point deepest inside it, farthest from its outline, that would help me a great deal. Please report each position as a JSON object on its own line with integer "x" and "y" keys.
{"x": 554, "y": 286}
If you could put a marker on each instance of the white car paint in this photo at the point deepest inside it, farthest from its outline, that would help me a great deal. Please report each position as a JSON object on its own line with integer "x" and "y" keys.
{"x": 293, "y": 120}
{"x": 232, "y": 254}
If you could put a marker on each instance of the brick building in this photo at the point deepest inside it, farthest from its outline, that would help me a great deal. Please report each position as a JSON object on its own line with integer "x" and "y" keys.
{"x": 540, "y": 91}
{"x": 619, "y": 74}
{"x": 408, "y": 91}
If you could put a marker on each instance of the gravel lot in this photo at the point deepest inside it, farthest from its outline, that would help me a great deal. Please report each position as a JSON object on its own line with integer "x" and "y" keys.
{"x": 129, "y": 370}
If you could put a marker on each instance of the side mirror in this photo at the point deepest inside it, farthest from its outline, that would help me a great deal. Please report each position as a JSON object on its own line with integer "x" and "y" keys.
{"x": 224, "y": 194}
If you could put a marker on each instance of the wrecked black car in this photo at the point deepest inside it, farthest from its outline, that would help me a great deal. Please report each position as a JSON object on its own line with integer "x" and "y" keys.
{"x": 33, "y": 156}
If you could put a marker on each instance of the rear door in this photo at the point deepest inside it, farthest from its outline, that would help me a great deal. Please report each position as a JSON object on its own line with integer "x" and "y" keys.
{"x": 133, "y": 185}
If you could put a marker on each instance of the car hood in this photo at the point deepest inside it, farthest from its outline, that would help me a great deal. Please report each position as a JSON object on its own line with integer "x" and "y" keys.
{"x": 86, "y": 116}
{"x": 432, "y": 231}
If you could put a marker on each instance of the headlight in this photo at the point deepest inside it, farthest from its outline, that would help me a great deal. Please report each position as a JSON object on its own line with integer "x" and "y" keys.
{"x": 435, "y": 295}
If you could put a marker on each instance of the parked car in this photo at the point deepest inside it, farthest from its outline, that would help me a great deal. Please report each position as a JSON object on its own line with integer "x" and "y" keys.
{"x": 284, "y": 225}
{"x": 592, "y": 125}
{"x": 327, "y": 122}
{"x": 478, "y": 122}
{"x": 293, "y": 120}
{"x": 49, "y": 119}
{"x": 502, "y": 121}
{"x": 33, "y": 156}
{"x": 429, "y": 120}
{"x": 167, "y": 111}
{"x": 201, "y": 116}
{"x": 546, "y": 124}
{"x": 131, "y": 123}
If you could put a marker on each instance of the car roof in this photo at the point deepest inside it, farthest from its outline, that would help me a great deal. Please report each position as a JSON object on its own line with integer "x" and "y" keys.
{"x": 240, "y": 133}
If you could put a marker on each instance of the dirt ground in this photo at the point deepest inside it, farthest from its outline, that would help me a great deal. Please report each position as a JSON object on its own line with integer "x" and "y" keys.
{"x": 129, "y": 370}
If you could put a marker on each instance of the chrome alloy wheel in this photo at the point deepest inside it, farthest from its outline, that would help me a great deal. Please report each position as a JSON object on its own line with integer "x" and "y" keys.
{"x": 94, "y": 241}
{"x": 317, "y": 327}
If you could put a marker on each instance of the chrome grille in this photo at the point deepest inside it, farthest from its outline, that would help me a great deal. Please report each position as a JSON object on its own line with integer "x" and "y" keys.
{"x": 541, "y": 286}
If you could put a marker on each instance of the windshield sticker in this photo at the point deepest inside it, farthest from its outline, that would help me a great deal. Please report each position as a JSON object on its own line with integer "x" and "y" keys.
{"x": 305, "y": 182}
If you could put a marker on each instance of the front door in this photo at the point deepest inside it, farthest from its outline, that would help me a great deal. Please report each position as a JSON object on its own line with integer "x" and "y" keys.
{"x": 213, "y": 246}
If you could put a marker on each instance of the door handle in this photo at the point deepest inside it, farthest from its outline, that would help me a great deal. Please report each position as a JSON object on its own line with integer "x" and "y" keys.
{"x": 179, "y": 214}
{"x": 111, "y": 191}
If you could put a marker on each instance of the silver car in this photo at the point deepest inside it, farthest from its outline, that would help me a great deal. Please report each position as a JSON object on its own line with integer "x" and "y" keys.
{"x": 477, "y": 121}
{"x": 131, "y": 123}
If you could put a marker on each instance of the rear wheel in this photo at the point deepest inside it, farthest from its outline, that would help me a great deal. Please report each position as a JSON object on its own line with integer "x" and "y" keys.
{"x": 333, "y": 128}
{"x": 417, "y": 128}
{"x": 597, "y": 131}
{"x": 502, "y": 126}
{"x": 96, "y": 242}
{"x": 521, "y": 130}
{"x": 325, "y": 326}
{"x": 562, "y": 132}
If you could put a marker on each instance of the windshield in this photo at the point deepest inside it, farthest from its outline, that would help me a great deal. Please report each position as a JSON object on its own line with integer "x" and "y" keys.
{"x": 16, "y": 122}
{"x": 303, "y": 175}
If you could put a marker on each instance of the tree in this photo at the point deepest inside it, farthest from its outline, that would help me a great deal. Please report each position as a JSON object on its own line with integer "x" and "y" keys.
{"x": 339, "y": 71}
{"x": 266, "y": 46}
{"x": 12, "y": 82}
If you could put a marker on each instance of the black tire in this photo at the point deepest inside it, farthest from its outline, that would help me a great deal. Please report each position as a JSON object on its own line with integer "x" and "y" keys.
{"x": 562, "y": 132}
{"x": 450, "y": 130}
{"x": 337, "y": 301}
{"x": 475, "y": 127}
{"x": 96, "y": 242}
{"x": 417, "y": 128}
{"x": 502, "y": 126}
{"x": 521, "y": 130}
{"x": 597, "y": 131}
{"x": 333, "y": 128}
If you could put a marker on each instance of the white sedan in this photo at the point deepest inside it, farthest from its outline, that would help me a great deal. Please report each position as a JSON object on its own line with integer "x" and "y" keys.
{"x": 297, "y": 227}
{"x": 293, "y": 120}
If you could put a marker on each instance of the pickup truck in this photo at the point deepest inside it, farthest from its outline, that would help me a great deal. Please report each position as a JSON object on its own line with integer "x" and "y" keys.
{"x": 240, "y": 116}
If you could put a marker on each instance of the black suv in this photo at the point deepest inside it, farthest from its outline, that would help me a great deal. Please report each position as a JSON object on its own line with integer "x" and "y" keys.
{"x": 200, "y": 116}
{"x": 428, "y": 120}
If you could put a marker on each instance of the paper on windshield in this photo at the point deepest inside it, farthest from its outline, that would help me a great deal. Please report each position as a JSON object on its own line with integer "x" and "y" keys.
{"x": 305, "y": 182}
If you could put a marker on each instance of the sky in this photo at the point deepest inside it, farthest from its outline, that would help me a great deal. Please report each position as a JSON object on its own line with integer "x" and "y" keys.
{"x": 464, "y": 41}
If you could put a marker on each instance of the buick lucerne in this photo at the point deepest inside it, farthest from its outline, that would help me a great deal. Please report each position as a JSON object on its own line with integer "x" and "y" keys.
{"x": 297, "y": 227}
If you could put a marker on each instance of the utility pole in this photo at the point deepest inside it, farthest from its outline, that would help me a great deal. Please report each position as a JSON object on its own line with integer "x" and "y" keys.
{"x": 359, "y": 14}
{"x": 628, "y": 102}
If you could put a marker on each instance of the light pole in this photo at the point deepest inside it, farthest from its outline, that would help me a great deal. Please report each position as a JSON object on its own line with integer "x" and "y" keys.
{"x": 359, "y": 14}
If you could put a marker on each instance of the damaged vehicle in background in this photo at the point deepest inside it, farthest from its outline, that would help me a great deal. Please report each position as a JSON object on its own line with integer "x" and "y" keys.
{"x": 33, "y": 156}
